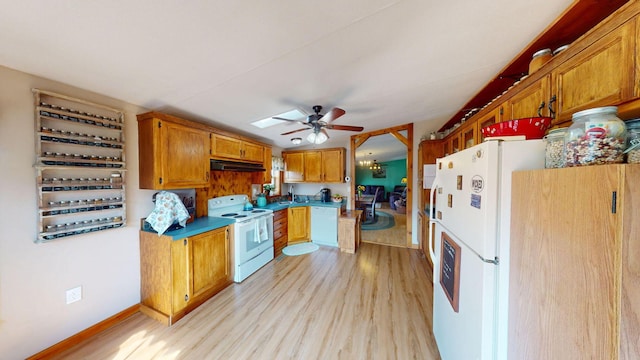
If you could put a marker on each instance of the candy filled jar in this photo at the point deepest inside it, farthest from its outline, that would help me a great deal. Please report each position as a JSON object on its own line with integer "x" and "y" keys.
{"x": 596, "y": 136}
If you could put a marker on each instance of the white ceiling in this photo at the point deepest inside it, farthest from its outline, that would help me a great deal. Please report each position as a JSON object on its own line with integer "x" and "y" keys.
{"x": 234, "y": 62}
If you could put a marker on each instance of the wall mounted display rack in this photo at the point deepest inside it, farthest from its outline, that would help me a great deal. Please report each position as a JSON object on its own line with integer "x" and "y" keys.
{"x": 80, "y": 166}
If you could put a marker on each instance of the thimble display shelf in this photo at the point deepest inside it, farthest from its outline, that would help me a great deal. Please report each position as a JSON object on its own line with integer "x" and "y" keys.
{"x": 80, "y": 166}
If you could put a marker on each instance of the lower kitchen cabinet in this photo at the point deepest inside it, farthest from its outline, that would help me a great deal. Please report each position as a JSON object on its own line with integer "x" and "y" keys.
{"x": 349, "y": 231}
{"x": 178, "y": 275}
{"x": 280, "y": 231}
{"x": 299, "y": 224}
{"x": 574, "y": 282}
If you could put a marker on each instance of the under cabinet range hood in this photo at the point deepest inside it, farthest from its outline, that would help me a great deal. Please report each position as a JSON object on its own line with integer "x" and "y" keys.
{"x": 226, "y": 165}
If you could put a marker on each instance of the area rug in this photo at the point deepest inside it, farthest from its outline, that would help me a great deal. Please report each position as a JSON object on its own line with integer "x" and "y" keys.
{"x": 382, "y": 221}
{"x": 300, "y": 249}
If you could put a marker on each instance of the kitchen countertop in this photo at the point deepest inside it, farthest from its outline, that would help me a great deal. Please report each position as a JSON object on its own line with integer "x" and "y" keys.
{"x": 280, "y": 206}
{"x": 198, "y": 226}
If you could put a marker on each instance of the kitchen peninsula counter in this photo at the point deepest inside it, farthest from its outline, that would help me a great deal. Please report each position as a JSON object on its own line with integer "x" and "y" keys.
{"x": 198, "y": 226}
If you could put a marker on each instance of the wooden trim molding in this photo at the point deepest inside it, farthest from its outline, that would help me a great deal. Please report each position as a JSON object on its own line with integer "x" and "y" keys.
{"x": 85, "y": 334}
{"x": 359, "y": 139}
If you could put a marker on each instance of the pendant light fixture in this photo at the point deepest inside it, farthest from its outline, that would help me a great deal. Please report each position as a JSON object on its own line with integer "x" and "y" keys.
{"x": 375, "y": 165}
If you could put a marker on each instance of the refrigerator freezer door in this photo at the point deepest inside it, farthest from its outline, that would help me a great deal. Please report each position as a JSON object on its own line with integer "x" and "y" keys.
{"x": 469, "y": 332}
{"x": 467, "y": 196}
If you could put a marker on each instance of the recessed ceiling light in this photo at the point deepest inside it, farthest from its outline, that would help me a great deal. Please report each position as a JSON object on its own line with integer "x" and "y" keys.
{"x": 294, "y": 114}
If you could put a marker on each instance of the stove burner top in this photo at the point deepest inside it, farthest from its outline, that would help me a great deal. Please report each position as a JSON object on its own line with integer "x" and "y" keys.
{"x": 229, "y": 214}
{"x": 258, "y": 211}
{"x": 240, "y": 216}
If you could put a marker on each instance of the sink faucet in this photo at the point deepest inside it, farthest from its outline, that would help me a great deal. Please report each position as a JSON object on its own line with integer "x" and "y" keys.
{"x": 293, "y": 199}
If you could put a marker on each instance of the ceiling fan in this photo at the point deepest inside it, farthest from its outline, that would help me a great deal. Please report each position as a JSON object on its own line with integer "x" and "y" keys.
{"x": 318, "y": 123}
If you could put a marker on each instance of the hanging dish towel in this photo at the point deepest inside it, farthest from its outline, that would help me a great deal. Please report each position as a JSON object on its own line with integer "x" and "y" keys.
{"x": 169, "y": 210}
{"x": 261, "y": 231}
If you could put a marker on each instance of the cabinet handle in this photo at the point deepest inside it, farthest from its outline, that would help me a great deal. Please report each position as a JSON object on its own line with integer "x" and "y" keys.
{"x": 207, "y": 176}
{"x": 542, "y": 104}
{"x": 186, "y": 297}
{"x": 552, "y": 112}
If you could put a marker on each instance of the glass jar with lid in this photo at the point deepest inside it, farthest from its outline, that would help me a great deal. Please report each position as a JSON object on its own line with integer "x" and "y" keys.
{"x": 633, "y": 143}
{"x": 596, "y": 136}
{"x": 554, "y": 148}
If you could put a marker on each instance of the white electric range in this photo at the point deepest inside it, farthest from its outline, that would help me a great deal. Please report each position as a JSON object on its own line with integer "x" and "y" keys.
{"x": 252, "y": 233}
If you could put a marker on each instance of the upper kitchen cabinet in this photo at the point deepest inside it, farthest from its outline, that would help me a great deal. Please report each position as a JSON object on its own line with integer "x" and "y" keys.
{"x": 325, "y": 166}
{"x": 294, "y": 166}
{"x": 602, "y": 74}
{"x": 173, "y": 153}
{"x": 530, "y": 101}
{"x": 232, "y": 148}
{"x": 490, "y": 118}
{"x": 264, "y": 177}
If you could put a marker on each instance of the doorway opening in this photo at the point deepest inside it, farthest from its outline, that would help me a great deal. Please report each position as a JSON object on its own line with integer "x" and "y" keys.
{"x": 404, "y": 134}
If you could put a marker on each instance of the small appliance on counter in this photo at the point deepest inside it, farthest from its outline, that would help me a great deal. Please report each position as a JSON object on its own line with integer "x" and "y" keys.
{"x": 325, "y": 195}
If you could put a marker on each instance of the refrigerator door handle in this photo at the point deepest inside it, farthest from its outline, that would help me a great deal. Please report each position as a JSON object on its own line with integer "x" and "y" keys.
{"x": 434, "y": 186}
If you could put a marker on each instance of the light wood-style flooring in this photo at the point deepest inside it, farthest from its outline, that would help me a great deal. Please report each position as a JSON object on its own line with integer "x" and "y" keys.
{"x": 376, "y": 304}
{"x": 395, "y": 236}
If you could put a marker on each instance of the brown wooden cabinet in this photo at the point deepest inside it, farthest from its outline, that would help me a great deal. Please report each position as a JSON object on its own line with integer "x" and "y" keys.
{"x": 469, "y": 135}
{"x": 172, "y": 155}
{"x": 574, "y": 277}
{"x": 264, "y": 177}
{"x": 294, "y": 166}
{"x": 231, "y": 148}
{"x": 299, "y": 224}
{"x": 280, "y": 231}
{"x": 530, "y": 99}
{"x": 490, "y": 118}
{"x": 325, "y": 165}
{"x": 600, "y": 75}
{"x": 178, "y": 275}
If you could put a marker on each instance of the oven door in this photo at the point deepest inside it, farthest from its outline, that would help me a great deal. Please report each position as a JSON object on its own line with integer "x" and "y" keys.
{"x": 248, "y": 243}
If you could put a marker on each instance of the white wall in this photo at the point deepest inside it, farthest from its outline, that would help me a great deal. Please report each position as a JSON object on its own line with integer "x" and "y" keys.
{"x": 34, "y": 277}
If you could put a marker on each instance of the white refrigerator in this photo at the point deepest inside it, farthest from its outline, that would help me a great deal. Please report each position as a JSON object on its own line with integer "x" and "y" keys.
{"x": 471, "y": 196}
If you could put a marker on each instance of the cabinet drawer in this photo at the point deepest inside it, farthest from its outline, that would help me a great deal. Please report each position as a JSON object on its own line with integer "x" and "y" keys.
{"x": 278, "y": 224}
{"x": 282, "y": 232}
{"x": 280, "y": 214}
{"x": 280, "y": 242}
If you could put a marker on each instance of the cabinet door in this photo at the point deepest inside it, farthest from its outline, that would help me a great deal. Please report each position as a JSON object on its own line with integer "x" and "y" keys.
{"x": 264, "y": 177}
{"x": 181, "y": 276}
{"x": 209, "y": 261}
{"x": 455, "y": 142}
{"x": 527, "y": 101}
{"x": 252, "y": 152}
{"x": 487, "y": 120}
{"x": 298, "y": 227}
{"x": 294, "y": 167}
{"x": 333, "y": 166}
{"x": 596, "y": 76}
{"x": 564, "y": 284}
{"x": 225, "y": 147}
{"x": 184, "y": 159}
{"x": 313, "y": 166}
{"x": 468, "y": 136}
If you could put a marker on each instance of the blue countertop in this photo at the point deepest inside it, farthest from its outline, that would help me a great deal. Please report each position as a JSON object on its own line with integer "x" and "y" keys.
{"x": 280, "y": 206}
{"x": 198, "y": 226}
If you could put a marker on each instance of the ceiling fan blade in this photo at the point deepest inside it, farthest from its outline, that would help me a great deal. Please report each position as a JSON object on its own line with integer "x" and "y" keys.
{"x": 294, "y": 131}
{"x": 345, "y": 127}
{"x": 333, "y": 114}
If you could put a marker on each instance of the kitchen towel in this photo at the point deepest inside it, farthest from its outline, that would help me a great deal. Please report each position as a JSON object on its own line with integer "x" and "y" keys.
{"x": 169, "y": 209}
{"x": 262, "y": 232}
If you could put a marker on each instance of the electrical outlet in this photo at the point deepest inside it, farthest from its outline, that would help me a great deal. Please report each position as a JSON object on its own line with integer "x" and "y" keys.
{"x": 74, "y": 294}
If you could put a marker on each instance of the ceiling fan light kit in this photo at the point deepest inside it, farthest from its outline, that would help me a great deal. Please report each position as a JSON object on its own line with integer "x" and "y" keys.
{"x": 318, "y": 123}
{"x": 317, "y": 137}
